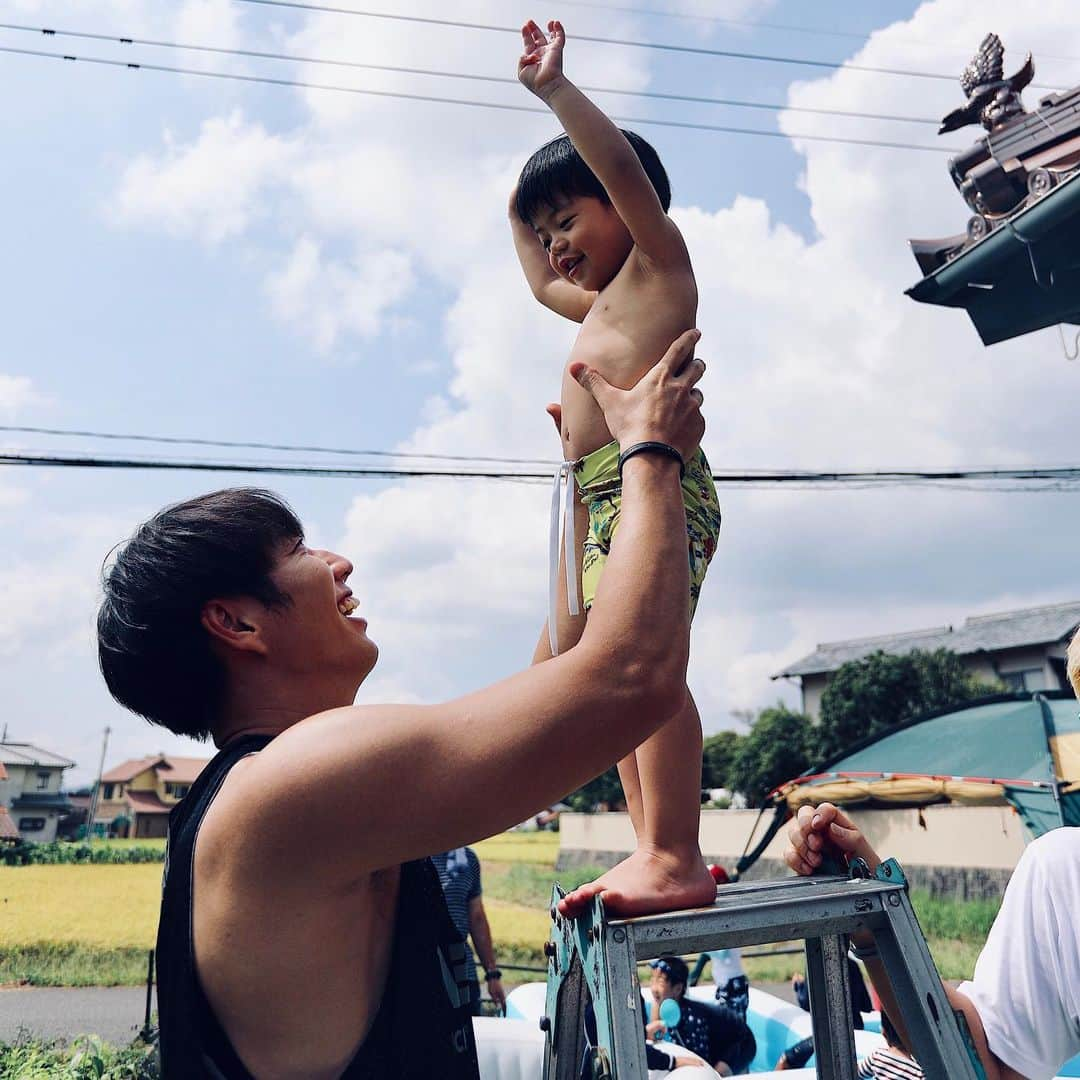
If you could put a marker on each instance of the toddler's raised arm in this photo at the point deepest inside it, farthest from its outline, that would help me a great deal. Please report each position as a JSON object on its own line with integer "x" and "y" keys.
{"x": 602, "y": 145}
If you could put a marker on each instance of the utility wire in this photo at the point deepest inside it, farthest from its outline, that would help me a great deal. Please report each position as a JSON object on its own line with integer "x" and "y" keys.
{"x": 326, "y": 61}
{"x": 1059, "y": 476}
{"x": 749, "y": 24}
{"x": 176, "y": 440}
{"x": 269, "y": 80}
{"x": 657, "y": 45}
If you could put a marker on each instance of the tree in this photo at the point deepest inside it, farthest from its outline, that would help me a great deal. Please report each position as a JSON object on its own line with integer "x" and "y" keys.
{"x": 871, "y": 695}
{"x": 776, "y": 749}
{"x": 717, "y": 754}
{"x": 604, "y": 789}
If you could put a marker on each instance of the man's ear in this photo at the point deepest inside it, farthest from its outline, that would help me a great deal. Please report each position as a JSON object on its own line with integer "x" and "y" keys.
{"x": 235, "y": 622}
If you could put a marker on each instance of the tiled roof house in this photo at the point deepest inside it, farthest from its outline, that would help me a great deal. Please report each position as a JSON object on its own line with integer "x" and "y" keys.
{"x": 140, "y": 793}
{"x": 1024, "y": 649}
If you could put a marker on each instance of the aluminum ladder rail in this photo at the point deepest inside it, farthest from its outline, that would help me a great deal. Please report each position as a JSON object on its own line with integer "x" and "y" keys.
{"x": 600, "y": 955}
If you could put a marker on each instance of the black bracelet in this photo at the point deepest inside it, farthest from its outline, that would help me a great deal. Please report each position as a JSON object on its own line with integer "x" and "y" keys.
{"x": 652, "y": 448}
{"x": 494, "y": 973}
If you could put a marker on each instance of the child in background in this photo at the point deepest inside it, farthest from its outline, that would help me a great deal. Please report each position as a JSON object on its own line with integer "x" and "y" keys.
{"x": 891, "y": 1062}
{"x": 590, "y": 224}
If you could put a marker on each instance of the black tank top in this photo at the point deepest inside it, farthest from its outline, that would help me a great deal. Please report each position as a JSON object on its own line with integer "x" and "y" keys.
{"x": 423, "y": 1028}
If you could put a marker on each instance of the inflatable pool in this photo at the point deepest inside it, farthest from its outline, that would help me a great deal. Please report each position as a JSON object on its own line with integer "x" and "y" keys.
{"x": 513, "y": 1048}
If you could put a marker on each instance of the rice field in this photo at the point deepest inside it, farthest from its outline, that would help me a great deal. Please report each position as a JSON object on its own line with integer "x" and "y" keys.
{"x": 91, "y": 924}
{"x": 102, "y": 906}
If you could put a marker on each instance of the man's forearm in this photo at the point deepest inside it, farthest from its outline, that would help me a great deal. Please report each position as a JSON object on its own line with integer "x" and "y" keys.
{"x": 480, "y": 932}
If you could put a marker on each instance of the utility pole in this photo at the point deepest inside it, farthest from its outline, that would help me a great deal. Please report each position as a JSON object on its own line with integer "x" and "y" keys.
{"x": 97, "y": 789}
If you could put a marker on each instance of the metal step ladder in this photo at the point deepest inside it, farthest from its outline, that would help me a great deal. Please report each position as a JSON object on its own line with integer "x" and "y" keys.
{"x": 596, "y": 958}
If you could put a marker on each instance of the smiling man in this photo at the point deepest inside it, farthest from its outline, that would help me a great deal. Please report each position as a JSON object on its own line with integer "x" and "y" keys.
{"x": 303, "y": 929}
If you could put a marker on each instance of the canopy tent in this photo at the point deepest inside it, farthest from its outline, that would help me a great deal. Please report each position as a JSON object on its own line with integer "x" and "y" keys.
{"x": 1023, "y": 751}
{"x": 1022, "y": 276}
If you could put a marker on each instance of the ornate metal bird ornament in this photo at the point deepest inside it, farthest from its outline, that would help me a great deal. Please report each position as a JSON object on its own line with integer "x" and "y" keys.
{"x": 991, "y": 98}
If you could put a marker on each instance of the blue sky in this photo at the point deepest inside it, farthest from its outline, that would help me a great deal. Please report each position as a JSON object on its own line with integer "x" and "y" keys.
{"x": 185, "y": 256}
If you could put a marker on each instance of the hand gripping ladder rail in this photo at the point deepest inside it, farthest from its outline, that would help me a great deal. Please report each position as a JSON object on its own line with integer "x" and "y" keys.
{"x": 601, "y": 955}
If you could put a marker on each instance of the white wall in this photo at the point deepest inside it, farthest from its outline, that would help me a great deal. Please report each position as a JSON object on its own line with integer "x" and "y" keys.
{"x": 985, "y": 837}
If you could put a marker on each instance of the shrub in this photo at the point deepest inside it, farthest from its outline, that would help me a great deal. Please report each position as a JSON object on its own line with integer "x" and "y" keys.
{"x": 25, "y": 853}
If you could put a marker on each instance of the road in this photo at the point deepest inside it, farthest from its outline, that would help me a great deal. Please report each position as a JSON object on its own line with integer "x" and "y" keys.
{"x": 113, "y": 1012}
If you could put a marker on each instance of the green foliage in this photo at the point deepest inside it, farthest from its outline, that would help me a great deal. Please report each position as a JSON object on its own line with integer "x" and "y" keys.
{"x": 869, "y": 696}
{"x": 522, "y": 883}
{"x": 71, "y": 964}
{"x": 717, "y": 754}
{"x": 25, "y": 853}
{"x": 604, "y": 789}
{"x": 87, "y": 1059}
{"x": 955, "y": 920}
{"x": 775, "y": 750}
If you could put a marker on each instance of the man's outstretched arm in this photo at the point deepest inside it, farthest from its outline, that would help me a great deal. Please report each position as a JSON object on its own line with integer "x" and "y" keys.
{"x": 382, "y": 774}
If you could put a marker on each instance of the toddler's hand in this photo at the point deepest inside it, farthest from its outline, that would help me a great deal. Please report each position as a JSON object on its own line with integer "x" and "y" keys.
{"x": 540, "y": 66}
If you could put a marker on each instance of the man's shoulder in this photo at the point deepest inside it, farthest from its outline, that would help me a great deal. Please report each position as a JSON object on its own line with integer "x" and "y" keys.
{"x": 1053, "y": 857}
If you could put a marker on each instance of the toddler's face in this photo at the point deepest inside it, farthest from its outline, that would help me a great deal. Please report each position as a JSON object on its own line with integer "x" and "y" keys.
{"x": 586, "y": 240}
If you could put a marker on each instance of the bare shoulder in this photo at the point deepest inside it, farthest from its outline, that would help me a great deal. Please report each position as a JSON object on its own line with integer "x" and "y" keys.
{"x": 667, "y": 251}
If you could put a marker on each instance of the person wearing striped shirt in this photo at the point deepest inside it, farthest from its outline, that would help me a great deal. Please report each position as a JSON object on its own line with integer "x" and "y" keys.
{"x": 459, "y": 875}
{"x": 890, "y": 1062}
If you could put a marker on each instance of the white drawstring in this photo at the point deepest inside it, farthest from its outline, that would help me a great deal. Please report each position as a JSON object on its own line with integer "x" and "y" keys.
{"x": 561, "y": 508}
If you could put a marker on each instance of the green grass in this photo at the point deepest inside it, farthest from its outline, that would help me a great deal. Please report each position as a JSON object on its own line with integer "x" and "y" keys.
{"x": 71, "y": 964}
{"x": 528, "y": 884}
{"x": 86, "y": 1059}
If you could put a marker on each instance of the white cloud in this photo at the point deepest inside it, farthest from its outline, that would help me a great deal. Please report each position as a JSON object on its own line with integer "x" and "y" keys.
{"x": 17, "y": 392}
{"x": 331, "y": 297}
{"x": 210, "y": 187}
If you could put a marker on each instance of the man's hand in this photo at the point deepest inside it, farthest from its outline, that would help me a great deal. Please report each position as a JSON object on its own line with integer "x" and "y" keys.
{"x": 816, "y": 829}
{"x": 498, "y": 994}
{"x": 664, "y": 406}
{"x": 540, "y": 67}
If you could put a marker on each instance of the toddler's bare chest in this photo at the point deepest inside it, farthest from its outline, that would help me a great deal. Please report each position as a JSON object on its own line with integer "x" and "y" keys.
{"x": 627, "y": 332}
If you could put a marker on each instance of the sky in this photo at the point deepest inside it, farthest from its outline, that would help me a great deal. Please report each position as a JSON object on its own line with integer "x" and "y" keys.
{"x": 195, "y": 257}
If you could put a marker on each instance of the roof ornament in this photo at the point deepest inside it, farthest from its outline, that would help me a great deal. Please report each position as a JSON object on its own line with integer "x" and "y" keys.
{"x": 992, "y": 100}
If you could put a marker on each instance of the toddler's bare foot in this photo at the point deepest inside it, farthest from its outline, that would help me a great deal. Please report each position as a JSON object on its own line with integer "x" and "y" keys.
{"x": 645, "y": 883}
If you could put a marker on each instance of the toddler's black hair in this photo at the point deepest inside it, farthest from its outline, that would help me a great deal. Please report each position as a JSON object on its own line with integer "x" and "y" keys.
{"x": 557, "y": 171}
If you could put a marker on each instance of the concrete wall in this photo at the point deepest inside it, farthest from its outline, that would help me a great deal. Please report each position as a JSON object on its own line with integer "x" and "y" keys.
{"x": 965, "y": 851}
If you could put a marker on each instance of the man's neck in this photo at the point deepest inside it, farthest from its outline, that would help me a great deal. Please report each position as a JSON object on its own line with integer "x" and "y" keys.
{"x": 270, "y": 710}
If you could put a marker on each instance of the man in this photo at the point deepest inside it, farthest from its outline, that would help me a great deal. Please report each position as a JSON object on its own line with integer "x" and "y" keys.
{"x": 303, "y": 931}
{"x": 714, "y": 1032}
{"x": 459, "y": 876}
{"x": 1023, "y": 1004}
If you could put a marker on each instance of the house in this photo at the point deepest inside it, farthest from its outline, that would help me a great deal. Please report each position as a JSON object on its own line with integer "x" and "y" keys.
{"x": 1023, "y": 649}
{"x": 136, "y": 796}
{"x": 8, "y": 831}
{"x": 31, "y": 789}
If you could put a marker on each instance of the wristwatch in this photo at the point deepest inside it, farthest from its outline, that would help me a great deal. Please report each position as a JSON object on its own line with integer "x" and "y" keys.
{"x": 492, "y": 973}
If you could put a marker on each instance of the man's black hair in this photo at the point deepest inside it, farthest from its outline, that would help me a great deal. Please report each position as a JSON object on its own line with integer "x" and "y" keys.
{"x": 557, "y": 172}
{"x": 153, "y": 650}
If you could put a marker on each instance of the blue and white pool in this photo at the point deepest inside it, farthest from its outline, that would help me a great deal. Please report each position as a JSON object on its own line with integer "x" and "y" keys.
{"x": 513, "y": 1048}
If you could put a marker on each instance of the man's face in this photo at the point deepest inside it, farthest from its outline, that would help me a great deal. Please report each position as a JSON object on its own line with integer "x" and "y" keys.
{"x": 317, "y": 633}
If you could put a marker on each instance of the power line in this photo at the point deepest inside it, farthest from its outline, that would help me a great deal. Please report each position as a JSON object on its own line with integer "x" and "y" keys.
{"x": 272, "y": 81}
{"x": 1061, "y": 477}
{"x": 234, "y": 444}
{"x": 750, "y": 24}
{"x": 257, "y": 54}
{"x": 657, "y": 45}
